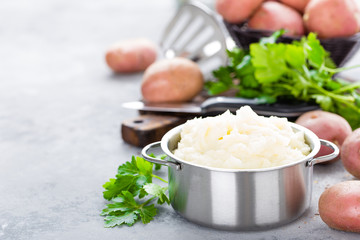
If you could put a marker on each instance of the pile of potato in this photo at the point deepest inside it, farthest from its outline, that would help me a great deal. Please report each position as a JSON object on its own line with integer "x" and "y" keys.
{"x": 327, "y": 18}
{"x": 168, "y": 80}
{"x": 339, "y": 205}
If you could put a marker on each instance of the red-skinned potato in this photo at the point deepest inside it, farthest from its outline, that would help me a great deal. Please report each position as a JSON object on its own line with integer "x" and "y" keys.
{"x": 350, "y": 153}
{"x": 339, "y": 206}
{"x": 274, "y": 16}
{"x": 236, "y": 11}
{"x": 296, "y": 4}
{"x": 172, "y": 80}
{"x": 332, "y": 18}
{"x": 328, "y": 126}
{"x": 131, "y": 55}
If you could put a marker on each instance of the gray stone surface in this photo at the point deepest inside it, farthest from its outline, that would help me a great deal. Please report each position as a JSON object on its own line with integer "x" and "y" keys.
{"x": 60, "y": 115}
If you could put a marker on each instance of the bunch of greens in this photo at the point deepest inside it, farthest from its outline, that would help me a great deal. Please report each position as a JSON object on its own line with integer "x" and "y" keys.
{"x": 132, "y": 194}
{"x": 303, "y": 70}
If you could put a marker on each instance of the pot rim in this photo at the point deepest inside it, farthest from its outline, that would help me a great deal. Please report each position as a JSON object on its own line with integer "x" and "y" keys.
{"x": 313, "y": 141}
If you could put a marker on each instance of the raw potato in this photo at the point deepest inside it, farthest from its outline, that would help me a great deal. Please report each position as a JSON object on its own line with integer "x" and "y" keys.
{"x": 172, "y": 80}
{"x": 332, "y": 18}
{"x": 274, "y": 16}
{"x": 350, "y": 153}
{"x": 296, "y": 4}
{"x": 339, "y": 206}
{"x": 328, "y": 126}
{"x": 131, "y": 55}
{"x": 236, "y": 11}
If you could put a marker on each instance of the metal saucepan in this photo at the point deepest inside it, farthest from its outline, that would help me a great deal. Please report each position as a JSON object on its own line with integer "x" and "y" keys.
{"x": 238, "y": 199}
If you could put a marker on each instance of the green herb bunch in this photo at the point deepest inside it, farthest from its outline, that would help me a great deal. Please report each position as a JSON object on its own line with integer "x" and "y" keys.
{"x": 301, "y": 70}
{"x": 132, "y": 194}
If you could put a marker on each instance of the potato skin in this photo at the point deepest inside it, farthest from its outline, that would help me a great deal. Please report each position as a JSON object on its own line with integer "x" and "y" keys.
{"x": 328, "y": 126}
{"x": 332, "y": 18}
{"x": 350, "y": 153}
{"x": 274, "y": 16}
{"x": 339, "y": 206}
{"x": 131, "y": 55}
{"x": 236, "y": 11}
{"x": 296, "y": 4}
{"x": 172, "y": 80}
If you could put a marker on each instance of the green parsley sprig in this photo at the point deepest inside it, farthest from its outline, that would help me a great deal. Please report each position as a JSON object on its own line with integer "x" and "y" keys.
{"x": 301, "y": 70}
{"x": 132, "y": 194}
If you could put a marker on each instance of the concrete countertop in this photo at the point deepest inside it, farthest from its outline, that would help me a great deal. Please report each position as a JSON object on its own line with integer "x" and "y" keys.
{"x": 60, "y": 116}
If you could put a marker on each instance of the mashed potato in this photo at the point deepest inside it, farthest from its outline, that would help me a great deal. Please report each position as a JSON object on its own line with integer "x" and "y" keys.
{"x": 241, "y": 141}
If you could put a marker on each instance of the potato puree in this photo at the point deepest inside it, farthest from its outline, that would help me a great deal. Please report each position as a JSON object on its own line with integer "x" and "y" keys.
{"x": 241, "y": 141}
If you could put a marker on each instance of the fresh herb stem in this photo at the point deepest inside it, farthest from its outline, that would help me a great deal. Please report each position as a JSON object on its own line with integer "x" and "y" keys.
{"x": 306, "y": 71}
{"x": 337, "y": 70}
{"x": 157, "y": 177}
{"x": 346, "y": 88}
{"x": 338, "y": 97}
{"x": 147, "y": 201}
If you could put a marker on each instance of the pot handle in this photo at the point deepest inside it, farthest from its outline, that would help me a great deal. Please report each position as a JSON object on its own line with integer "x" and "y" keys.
{"x": 325, "y": 158}
{"x": 147, "y": 157}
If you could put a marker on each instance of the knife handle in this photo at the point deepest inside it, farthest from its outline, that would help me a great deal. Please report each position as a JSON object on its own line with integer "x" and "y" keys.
{"x": 145, "y": 129}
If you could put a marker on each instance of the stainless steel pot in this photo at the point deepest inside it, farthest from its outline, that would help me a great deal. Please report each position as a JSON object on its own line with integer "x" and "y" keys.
{"x": 237, "y": 199}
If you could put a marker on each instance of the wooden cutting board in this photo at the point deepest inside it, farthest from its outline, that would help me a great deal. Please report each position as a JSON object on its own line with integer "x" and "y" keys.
{"x": 148, "y": 128}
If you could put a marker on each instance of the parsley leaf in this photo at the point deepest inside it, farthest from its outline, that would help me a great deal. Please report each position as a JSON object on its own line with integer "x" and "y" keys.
{"x": 132, "y": 192}
{"x": 128, "y": 218}
{"x": 268, "y": 61}
{"x": 295, "y": 56}
{"x": 124, "y": 210}
{"x": 147, "y": 213}
{"x": 131, "y": 183}
{"x": 137, "y": 166}
{"x": 273, "y": 38}
{"x": 314, "y": 51}
{"x": 157, "y": 191}
{"x": 301, "y": 70}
